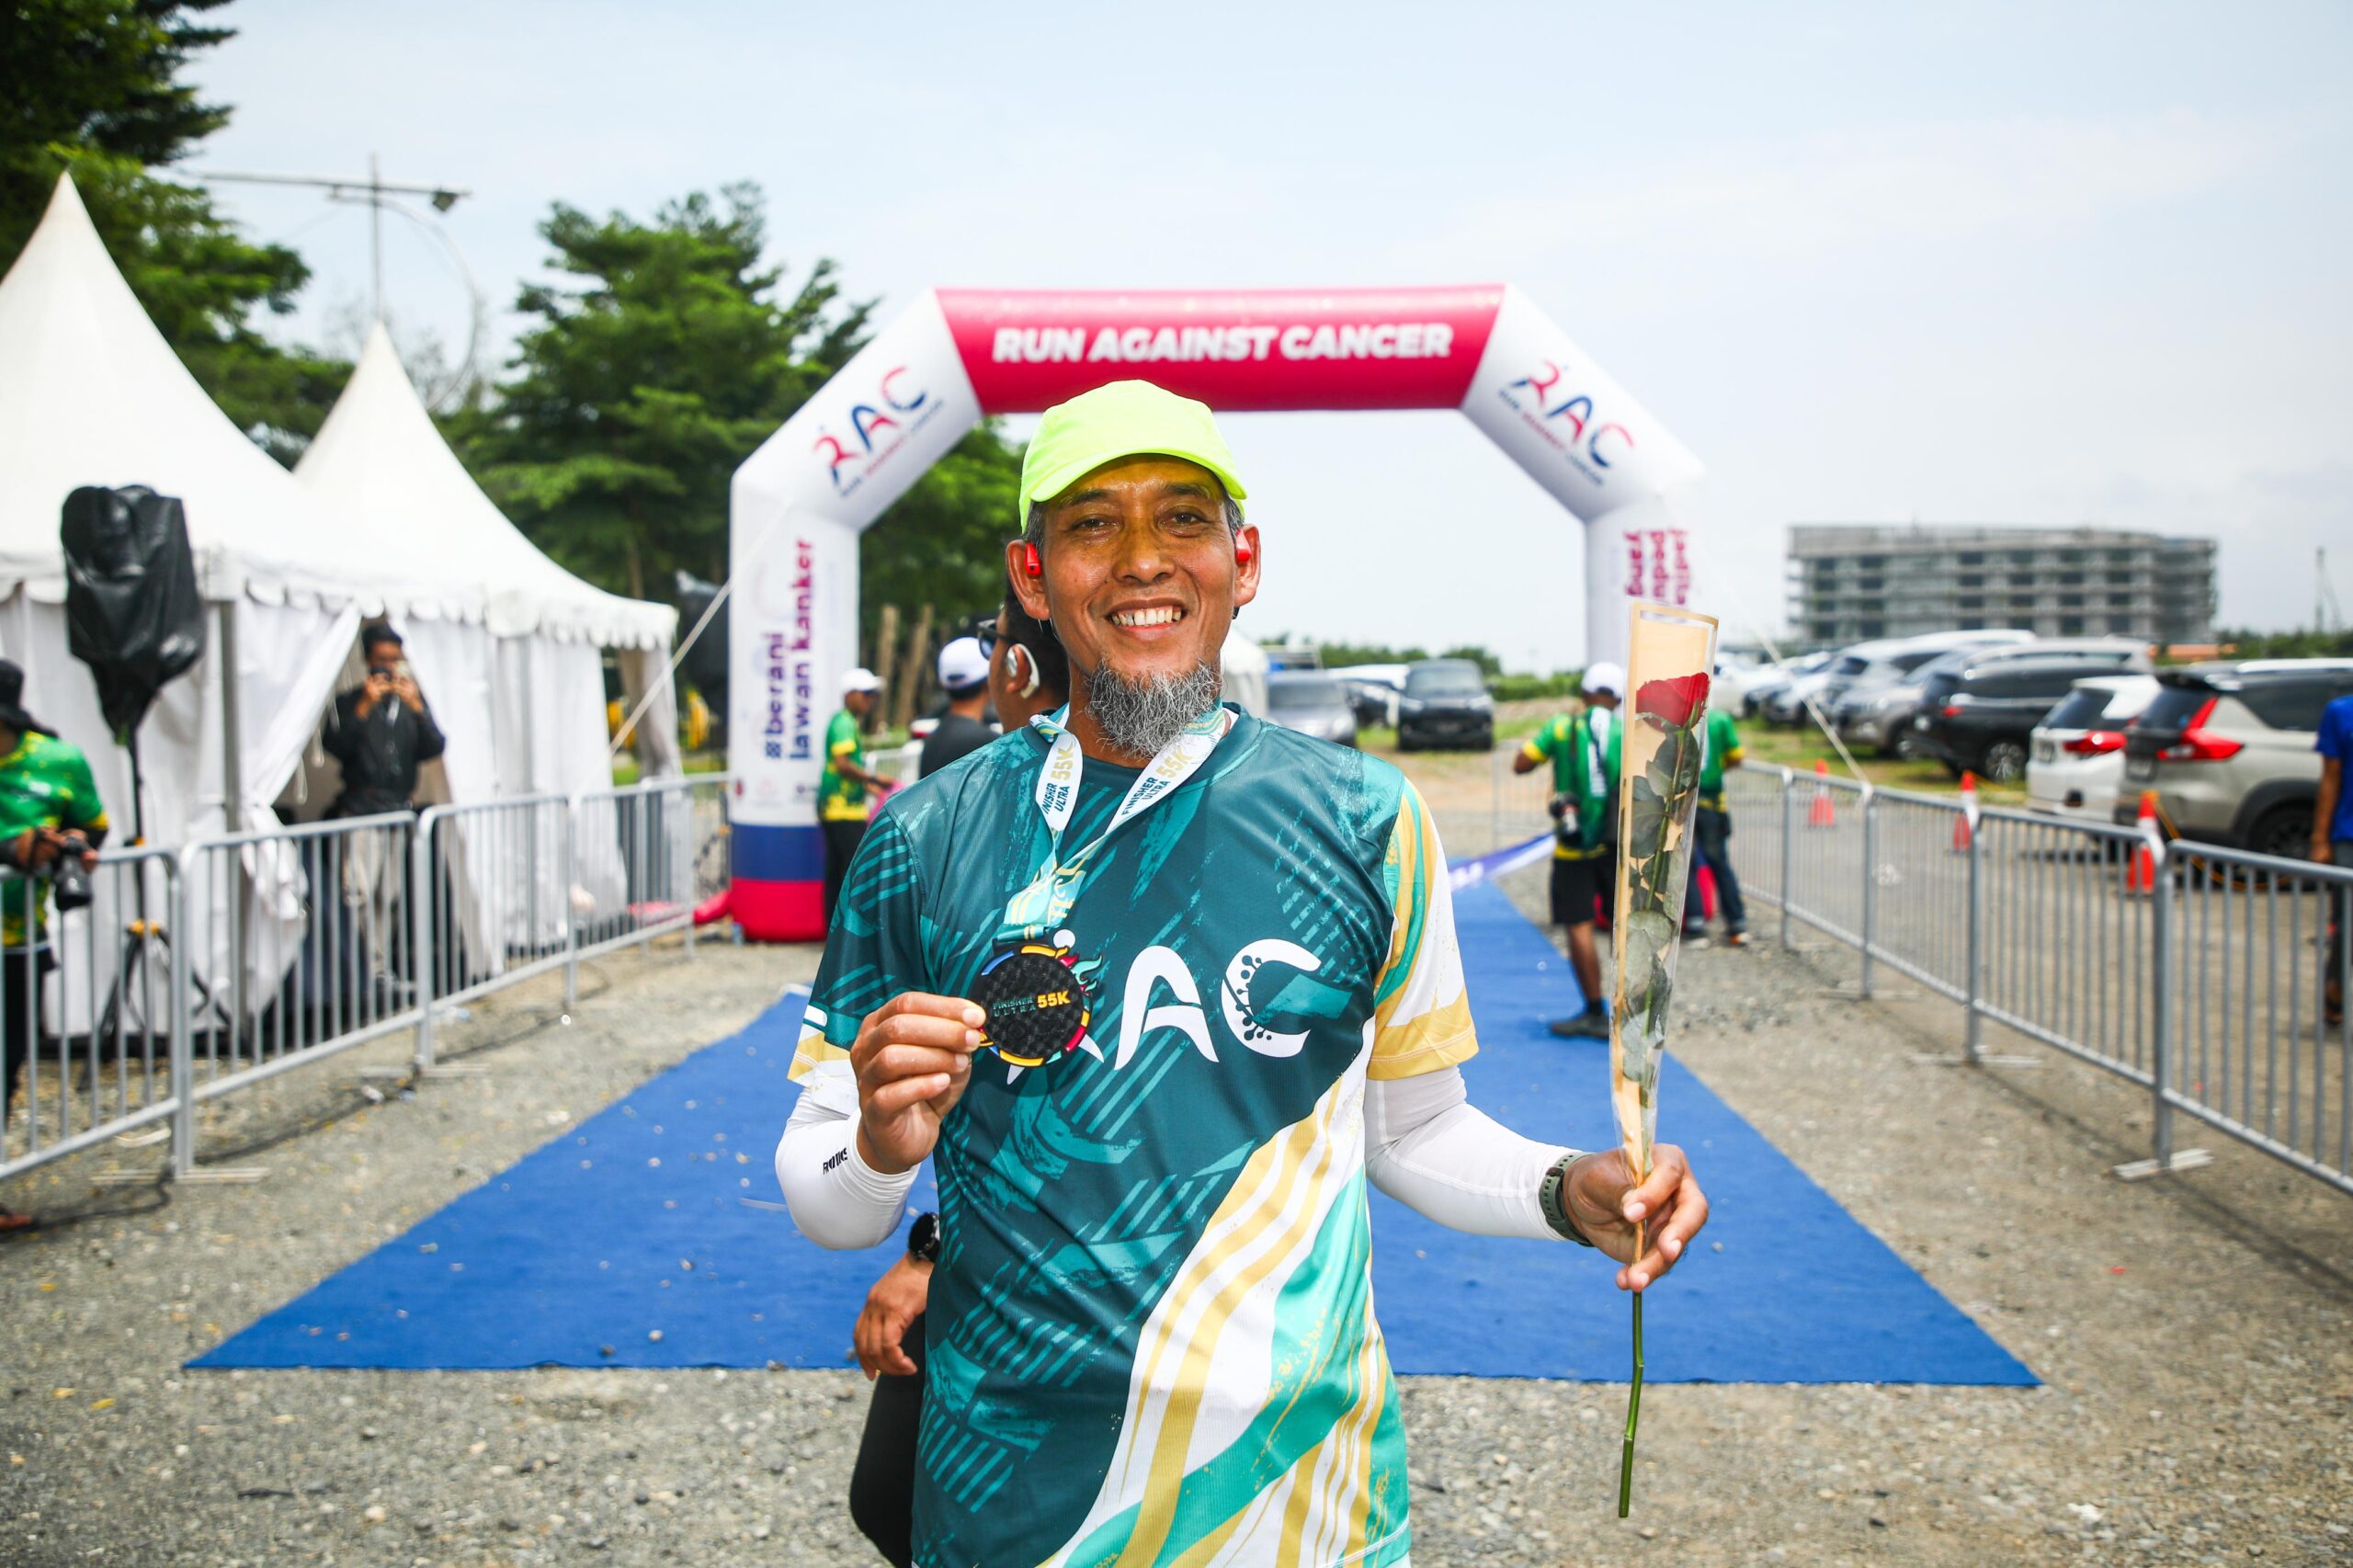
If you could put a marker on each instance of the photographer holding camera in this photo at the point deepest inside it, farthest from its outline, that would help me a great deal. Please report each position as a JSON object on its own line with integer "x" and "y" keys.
{"x": 382, "y": 732}
{"x": 51, "y": 824}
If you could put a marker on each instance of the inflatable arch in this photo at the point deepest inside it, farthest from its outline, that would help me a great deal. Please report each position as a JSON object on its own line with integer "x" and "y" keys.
{"x": 799, "y": 504}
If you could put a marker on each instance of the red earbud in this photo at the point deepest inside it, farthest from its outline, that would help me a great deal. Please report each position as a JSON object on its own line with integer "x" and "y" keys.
{"x": 1241, "y": 554}
{"x": 1029, "y": 562}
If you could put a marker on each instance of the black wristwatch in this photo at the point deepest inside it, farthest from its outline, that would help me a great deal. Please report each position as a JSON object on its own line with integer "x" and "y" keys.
{"x": 923, "y": 1238}
{"x": 1552, "y": 1197}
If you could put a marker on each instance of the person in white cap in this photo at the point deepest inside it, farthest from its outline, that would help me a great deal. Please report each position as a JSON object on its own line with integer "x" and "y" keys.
{"x": 962, "y": 730}
{"x": 1583, "y": 749}
{"x": 842, "y": 798}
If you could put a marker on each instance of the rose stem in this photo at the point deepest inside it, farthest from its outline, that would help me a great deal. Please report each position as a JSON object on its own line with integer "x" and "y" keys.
{"x": 1633, "y": 1402}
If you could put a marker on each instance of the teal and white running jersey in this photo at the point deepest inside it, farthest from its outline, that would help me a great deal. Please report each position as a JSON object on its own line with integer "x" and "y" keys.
{"x": 1150, "y": 1335}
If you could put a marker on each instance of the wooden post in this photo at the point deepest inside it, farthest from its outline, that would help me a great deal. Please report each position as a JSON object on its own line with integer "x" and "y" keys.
{"x": 915, "y": 671}
{"x": 886, "y": 646}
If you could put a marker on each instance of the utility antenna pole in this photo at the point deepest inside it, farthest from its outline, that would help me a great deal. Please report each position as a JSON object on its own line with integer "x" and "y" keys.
{"x": 2327, "y": 613}
{"x": 377, "y": 194}
{"x": 376, "y": 239}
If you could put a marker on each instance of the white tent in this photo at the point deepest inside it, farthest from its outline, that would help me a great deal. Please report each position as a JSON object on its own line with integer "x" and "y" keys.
{"x": 90, "y": 394}
{"x": 506, "y": 644}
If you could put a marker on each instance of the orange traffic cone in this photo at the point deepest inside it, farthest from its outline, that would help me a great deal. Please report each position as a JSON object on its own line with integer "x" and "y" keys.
{"x": 1821, "y": 813}
{"x": 1964, "y": 824}
{"x": 2141, "y": 874}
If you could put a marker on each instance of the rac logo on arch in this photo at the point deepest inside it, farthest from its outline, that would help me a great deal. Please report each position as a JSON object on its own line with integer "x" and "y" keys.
{"x": 1567, "y": 423}
{"x": 878, "y": 425}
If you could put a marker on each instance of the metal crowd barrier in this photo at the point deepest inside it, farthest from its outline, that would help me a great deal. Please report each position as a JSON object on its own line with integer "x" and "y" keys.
{"x": 2194, "y": 971}
{"x": 295, "y": 944}
{"x": 92, "y": 1008}
{"x": 2246, "y": 946}
{"x": 195, "y": 973}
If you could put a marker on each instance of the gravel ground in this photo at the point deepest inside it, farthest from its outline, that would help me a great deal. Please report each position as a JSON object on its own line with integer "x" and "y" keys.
{"x": 2192, "y": 1333}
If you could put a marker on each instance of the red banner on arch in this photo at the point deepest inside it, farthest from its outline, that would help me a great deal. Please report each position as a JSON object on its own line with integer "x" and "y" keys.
{"x": 1253, "y": 350}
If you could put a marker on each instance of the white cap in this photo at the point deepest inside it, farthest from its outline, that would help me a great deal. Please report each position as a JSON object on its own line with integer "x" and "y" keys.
{"x": 1605, "y": 676}
{"x": 962, "y": 666}
{"x": 860, "y": 679}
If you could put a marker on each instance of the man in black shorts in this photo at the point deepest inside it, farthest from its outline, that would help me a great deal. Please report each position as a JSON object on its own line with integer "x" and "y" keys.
{"x": 1583, "y": 748}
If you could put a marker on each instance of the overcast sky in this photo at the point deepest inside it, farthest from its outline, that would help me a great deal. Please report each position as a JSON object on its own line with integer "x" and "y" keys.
{"x": 2035, "y": 265}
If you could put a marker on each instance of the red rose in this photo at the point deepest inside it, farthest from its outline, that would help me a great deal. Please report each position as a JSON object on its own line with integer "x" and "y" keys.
{"x": 1672, "y": 701}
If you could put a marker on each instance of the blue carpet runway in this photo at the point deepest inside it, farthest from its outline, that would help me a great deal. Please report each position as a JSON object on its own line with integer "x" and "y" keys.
{"x": 629, "y": 1241}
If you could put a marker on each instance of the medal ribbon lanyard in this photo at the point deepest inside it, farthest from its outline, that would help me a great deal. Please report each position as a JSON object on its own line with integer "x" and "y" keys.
{"x": 1043, "y": 905}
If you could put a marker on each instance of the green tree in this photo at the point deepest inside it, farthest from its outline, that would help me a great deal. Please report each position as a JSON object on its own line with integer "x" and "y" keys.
{"x": 640, "y": 390}
{"x": 93, "y": 90}
{"x": 942, "y": 543}
{"x": 643, "y": 386}
{"x": 1489, "y": 666}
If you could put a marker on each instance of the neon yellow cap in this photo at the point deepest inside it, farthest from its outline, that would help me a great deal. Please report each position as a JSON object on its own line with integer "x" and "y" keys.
{"x": 1124, "y": 419}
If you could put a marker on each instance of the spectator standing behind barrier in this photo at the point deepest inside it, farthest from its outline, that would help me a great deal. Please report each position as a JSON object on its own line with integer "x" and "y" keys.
{"x": 1028, "y": 673}
{"x": 1718, "y": 749}
{"x": 841, "y": 802}
{"x": 2333, "y": 840}
{"x": 382, "y": 732}
{"x": 964, "y": 676}
{"x": 49, "y": 810}
{"x": 1583, "y": 748}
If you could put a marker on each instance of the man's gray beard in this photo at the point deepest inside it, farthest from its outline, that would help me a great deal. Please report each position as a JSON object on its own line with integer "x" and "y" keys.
{"x": 1138, "y": 717}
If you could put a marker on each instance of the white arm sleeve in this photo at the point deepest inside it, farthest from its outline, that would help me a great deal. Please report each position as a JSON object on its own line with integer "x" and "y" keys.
{"x": 836, "y": 1198}
{"x": 1429, "y": 1149}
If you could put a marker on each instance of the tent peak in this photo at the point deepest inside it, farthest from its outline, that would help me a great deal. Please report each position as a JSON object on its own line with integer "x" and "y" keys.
{"x": 66, "y": 198}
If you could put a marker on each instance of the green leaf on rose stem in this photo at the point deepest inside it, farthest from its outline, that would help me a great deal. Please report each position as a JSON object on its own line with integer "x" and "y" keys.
{"x": 1660, "y": 769}
{"x": 1634, "y": 1055}
{"x": 1650, "y": 821}
{"x": 1648, "y": 936}
{"x": 1686, "y": 766}
{"x": 1654, "y": 999}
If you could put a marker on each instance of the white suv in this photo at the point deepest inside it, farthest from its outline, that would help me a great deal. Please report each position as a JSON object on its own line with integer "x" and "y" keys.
{"x": 2075, "y": 760}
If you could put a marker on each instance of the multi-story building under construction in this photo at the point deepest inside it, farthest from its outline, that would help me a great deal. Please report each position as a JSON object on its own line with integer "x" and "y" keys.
{"x": 1849, "y": 582}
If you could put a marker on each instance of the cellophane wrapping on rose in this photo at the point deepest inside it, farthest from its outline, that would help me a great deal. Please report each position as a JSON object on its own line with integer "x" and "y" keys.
{"x": 1664, "y": 728}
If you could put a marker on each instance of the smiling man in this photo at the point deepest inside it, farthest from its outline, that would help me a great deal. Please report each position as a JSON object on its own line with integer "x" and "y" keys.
{"x": 1160, "y": 988}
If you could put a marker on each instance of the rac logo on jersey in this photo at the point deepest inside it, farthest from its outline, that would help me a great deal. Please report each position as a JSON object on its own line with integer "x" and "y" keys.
{"x": 1161, "y": 994}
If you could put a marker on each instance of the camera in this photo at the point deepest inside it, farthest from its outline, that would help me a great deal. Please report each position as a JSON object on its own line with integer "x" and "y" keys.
{"x": 69, "y": 880}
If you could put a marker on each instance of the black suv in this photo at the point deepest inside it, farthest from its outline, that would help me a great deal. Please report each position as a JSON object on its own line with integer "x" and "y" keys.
{"x": 1445, "y": 703}
{"x": 1984, "y": 719}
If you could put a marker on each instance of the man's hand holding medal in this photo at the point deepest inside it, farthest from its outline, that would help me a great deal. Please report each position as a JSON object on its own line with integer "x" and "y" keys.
{"x": 913, "y": 1057}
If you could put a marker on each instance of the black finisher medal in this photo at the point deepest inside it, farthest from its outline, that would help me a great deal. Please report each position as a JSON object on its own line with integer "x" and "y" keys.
{"x": 1037, "y": 1006}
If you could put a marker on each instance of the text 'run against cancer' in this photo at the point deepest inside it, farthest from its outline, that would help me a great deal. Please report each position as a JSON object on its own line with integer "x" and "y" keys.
{"x": 1146, "y": 345}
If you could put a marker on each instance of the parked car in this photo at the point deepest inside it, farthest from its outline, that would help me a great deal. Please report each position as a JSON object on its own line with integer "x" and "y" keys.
{"x": 1313, "y": 702}
{"x": 1823, "y": 685}
{"x": 1876, "y": 705}
{"x": 1982, "y": 718}
{"x": 2077, "y": 752}
{"x": 1739, "y": 672}
{"x": 2109, "y": 655}
{"x": 1445, "y": 703}
{"x": 1755, "y": 693}
{"x": 2228, "y": 749}
{"x": 1372, "y": 691}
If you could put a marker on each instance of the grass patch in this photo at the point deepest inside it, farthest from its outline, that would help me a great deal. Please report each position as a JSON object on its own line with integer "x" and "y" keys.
{"x": 1800, "y": 749}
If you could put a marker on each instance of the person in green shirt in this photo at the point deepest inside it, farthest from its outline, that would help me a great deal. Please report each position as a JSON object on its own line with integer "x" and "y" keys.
{"x": 842, "y": 789}
{"x": 1583, "y": 748}
{"x": 1720, "y": 749}
{"x": 48, "y": 809}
